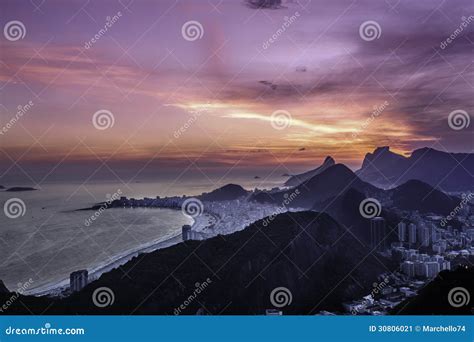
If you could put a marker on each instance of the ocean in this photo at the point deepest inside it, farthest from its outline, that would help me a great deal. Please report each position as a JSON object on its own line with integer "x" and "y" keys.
{"x": 53, "y": 239}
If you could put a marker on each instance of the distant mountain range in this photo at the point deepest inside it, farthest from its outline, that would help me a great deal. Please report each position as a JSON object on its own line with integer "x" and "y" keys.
{"x": 307, "y": 252}
{"x": 333, "y": 183}
{"x": 302, "y": 177}
{"x": 443, "y": 170}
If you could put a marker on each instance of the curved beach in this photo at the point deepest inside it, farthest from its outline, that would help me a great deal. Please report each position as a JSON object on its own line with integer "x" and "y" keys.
{"x": 57, "y": 288}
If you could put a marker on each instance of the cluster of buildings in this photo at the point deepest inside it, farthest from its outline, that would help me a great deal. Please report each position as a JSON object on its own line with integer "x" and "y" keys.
{"x": 219, "y": 217}
{"x": 237, "y": 214}
{"x": 424, "y": 248}
{"x": 423, "y": 265}
{"x": 441, "y": 248}
{"x": 385, "y": 295}
{"x": 158, "y": 202}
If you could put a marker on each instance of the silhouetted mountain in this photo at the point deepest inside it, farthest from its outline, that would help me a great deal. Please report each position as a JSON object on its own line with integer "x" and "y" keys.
{"x": 226, "y": 193}
{"x": 382, "y": 156}
{"x": 298, "y": 179}
{"x": 416, "y": 195}
{"x": 447, "y": 171}
{"x": 413, "y": 195}
{"x": 20, "y": 188}
{"x": 433, "y": 298}
{"x": 345, "y": 210}
{"x": 333, "y": 181}
{"x": 306, "y": 252}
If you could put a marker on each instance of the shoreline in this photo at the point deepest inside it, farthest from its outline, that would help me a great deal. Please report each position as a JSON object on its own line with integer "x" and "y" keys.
{"x": 60, "y": 287}
{"x": 57, "y": 289}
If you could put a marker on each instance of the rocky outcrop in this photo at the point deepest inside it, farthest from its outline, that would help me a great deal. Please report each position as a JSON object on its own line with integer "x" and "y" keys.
{"x": 444, "y": 170}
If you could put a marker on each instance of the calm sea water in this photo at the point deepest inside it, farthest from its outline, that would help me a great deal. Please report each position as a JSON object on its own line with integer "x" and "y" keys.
{"x": 52, "y": 240}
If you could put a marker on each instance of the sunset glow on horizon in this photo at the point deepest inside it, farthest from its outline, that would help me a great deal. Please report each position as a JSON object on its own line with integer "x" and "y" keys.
{"x": 210, "y": 101}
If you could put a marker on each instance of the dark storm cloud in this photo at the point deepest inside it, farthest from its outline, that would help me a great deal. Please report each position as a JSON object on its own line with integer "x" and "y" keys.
{"x": 263, "y": 4}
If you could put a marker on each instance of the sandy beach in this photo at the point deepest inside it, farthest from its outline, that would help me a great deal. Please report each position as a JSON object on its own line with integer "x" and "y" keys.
{"x": 200, "y": 225}
{"x": 56, "y": 289}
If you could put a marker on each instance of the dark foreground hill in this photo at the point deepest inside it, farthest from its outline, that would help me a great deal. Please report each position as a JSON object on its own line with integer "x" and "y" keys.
{"x": 309, "y": 253}
{"x": 450, "y": 293}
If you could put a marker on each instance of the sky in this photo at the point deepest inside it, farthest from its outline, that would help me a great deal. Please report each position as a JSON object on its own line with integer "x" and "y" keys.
{"x": 250, "y": 85}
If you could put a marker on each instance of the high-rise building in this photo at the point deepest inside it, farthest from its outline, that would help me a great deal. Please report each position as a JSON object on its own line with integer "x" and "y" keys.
{"x": 186, "y": 232}
{"x": 420, "y": 269}
{"x": 78, "y": 280}
{"x": 435, "y": 234}
{"x": 423, "y": 235}
{"x": 411, "y": 233}
{"x": 446, "y": 265}
{"x": 377, "y": 233}
{"x": 439, "y": 248}
{"x": 408, "y": 268}
{"x": 402, "y": 231}
{"x": 432, "y": 268}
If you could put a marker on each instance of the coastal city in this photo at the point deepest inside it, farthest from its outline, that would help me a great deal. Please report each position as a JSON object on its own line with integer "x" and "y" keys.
{"x": 211, "y": 218}
{"x": 426, "y": 246}
{"x": 427, "y": 243}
